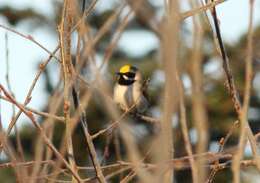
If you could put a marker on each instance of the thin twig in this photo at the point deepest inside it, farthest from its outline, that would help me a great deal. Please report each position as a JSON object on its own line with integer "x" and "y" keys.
{"x": 30, "y": 38}
{"x": 222, "y": 143}
{"x": 199, "y": 113}
{"x": 244, "y": 113}
{"x": 41, "y": 131}
{"x": 40, "y": 113}
{"x": 67, "y": 68}
{"x": 29, "y": 94}
{"x": 28, "y": 163}
{"x": 185, "y": 132}
{"x": 237, "y": 105}
{"x": 170, "y": 50}
{"x": 201, "y": 9}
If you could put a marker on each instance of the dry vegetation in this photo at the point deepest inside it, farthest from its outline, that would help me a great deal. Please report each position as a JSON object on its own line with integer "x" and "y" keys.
{"x": 57, "y": 164}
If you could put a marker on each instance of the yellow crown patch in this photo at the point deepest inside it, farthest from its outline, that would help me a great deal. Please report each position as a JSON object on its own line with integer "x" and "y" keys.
{"x": 125, "y": 69}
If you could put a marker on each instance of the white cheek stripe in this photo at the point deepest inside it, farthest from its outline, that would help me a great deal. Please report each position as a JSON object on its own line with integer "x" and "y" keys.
{"x": 127, "y": 78}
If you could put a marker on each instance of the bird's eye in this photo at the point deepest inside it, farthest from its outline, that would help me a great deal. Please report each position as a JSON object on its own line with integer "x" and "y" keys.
{"x": 130, "y": 74}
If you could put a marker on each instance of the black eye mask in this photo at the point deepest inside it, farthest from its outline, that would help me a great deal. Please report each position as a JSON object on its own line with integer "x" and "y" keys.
{"x": 130, "y": 75}
{"x": 123, "y": 81}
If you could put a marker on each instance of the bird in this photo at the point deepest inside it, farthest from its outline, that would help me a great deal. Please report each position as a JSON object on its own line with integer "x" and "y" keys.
{"x": 129, "y": 91}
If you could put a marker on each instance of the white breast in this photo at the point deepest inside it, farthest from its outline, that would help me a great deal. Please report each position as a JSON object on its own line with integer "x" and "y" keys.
{"x": 127, "y": 96}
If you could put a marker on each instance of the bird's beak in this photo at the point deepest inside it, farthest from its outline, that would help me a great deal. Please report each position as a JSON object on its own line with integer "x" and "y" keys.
{"x": 117, "y": 74}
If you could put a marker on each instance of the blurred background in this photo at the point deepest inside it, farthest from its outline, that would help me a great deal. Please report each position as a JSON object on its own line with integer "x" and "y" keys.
{"x": 140, "y": 46}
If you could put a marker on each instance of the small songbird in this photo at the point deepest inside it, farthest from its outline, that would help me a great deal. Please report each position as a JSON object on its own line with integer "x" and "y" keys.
{"x": 129, "y": 90}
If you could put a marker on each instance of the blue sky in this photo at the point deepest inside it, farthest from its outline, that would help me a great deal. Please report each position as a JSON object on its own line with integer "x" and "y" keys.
{"x": 24, "y": 55}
